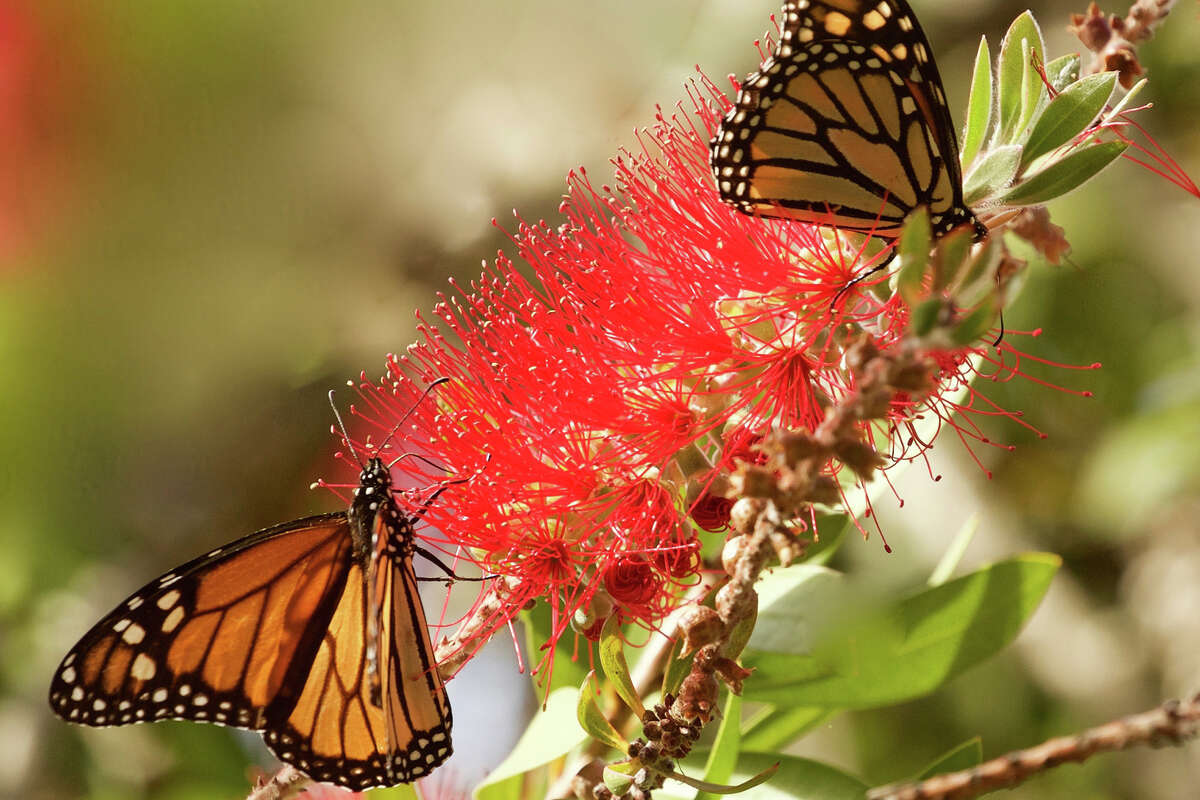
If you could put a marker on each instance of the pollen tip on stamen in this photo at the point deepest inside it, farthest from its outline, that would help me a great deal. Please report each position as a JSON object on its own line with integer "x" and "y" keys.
{"x": 1095, "y": 365}
{"x": 1086, "y": 394}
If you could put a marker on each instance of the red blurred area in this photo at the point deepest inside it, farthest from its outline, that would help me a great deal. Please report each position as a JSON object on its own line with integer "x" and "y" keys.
{"x": 41, "y": 91}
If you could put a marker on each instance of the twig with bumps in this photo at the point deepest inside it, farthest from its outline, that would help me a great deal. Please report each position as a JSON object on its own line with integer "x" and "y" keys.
{"x": 1170, "y": 724}
{"x": 769, "y": 498}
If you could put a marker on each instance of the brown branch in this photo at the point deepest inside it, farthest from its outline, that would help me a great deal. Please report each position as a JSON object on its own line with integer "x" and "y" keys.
{"x": 453, "y": 651}
{"x": 1172, "y": 723}
{"x": 770, "y": 497}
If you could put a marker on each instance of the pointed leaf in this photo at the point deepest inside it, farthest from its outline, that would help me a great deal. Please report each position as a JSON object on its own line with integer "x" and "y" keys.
{"x": 793, "y": 603}
{"x": 966, "y": 755}
{"x": 1063, "y": 71}
{"x": 949, "y": 256}
{"x": 1069, "y": 114}
{"x": 592, "y": 719}
{"x": 616, "y": 668}
{"x": 716, "y": 788}
{"x": 980, "y": 104}
{"x": 550, "y": 734}
{"x": 1019, "y": 82}
{"x": 1064, "y": 175}
{"x": 618, "y": 777}
{"x": 954, "y": 553}
{"x": 677, "y": 669}
{"x": 827, "y": 547}
{"x": 979, "y": 277}
{"x": 914, "y": 244}
{"x": 976, "y": 323}
{"x": 1033, "y": 90}
{"x": 772, "y": 729}
{"x": 992, "y": 173}
{"x": 907, "y": 649}
{"x": 924, "y": 317}
{"x": 797, "y": 779}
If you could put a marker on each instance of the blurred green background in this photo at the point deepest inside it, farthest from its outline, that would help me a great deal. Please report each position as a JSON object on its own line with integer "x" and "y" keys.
{"x": 211, "y": 213}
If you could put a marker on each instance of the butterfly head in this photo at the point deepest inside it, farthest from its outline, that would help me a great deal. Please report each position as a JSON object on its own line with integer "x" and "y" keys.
{"x": 375, "y": 479}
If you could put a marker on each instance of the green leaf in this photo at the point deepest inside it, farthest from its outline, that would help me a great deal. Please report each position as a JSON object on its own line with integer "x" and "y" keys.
{"x": 976, "y": 323}
{"x": 905, "y": 650}
{"x": 1064, "y": 175}
{"x": 992, "y": 173}
{"x": 925, "y": 316}
{"x": 723, "y": 756}
{"x": 402, "y": 792}
{"x": 592, "y": 719}
{"x": 1020, "y": 85}
{"x": 949, "y": 256}
{"x": 827, "y": 547}
{"x": 914, "y": 245}
{"x": 1063, "y": 71}
{"x": 773, "y": 728}
{"x": 793, "y": 603}
{"x": 1069, "y": 115}
{"x": 551, "y": 734}
{"x": 797, "y": 779}
{"x": 978, "y": 279}
{"x": 677, "y": 669}
{"x": 612, "y": 659}
{"x": 954, "y": 553}
{"x": 966, "y": 755}
{"x": 980, "y": 104}
{"x": 618, "y": 777}
{"x": 716, "y": 788}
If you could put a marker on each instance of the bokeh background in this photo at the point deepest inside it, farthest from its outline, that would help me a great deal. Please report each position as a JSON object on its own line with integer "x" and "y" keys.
{"x": 211, "y": 213}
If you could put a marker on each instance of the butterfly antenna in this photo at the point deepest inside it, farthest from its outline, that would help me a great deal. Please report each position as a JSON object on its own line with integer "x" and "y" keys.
{"x": 412, "y": 408}
{"x": 419, "y": 457}
{"x": 342, "y": 427}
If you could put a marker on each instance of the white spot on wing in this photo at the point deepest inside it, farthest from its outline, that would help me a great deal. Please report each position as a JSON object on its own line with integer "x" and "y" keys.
{"x": 134, "y": 634}
{"x": 143, "y": 667}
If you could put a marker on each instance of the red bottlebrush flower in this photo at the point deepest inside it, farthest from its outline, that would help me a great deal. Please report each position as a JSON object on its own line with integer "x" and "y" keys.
{"x": 647, "y": 343}
{"x": 634, "y": 585}
{"x": 711, "y": 512}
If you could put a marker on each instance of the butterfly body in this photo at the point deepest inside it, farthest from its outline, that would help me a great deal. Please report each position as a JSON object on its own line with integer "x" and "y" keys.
{"x": 311, "y": 632}
{"x": 845, "y": 124}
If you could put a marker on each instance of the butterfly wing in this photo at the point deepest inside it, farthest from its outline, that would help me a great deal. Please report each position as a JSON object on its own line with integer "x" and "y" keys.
{"x": 846, "y": 124}
{"x": 418, "y": 711}
{"x": 214, "y": 640}
{"x": 270, "y": 634}
{"x": 362, "y": 720}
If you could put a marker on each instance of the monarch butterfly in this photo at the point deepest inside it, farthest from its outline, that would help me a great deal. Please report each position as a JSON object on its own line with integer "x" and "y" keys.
{"x": 845, "y": 124}
{"x": 311, "y": 631}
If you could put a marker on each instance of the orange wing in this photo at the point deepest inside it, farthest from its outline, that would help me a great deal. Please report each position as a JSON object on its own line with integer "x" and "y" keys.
{"x": 845, "y": 124}
{"x": 335, "y": 731}
{"x": 270, "y": 633}
{"x": 215, "y": 640}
